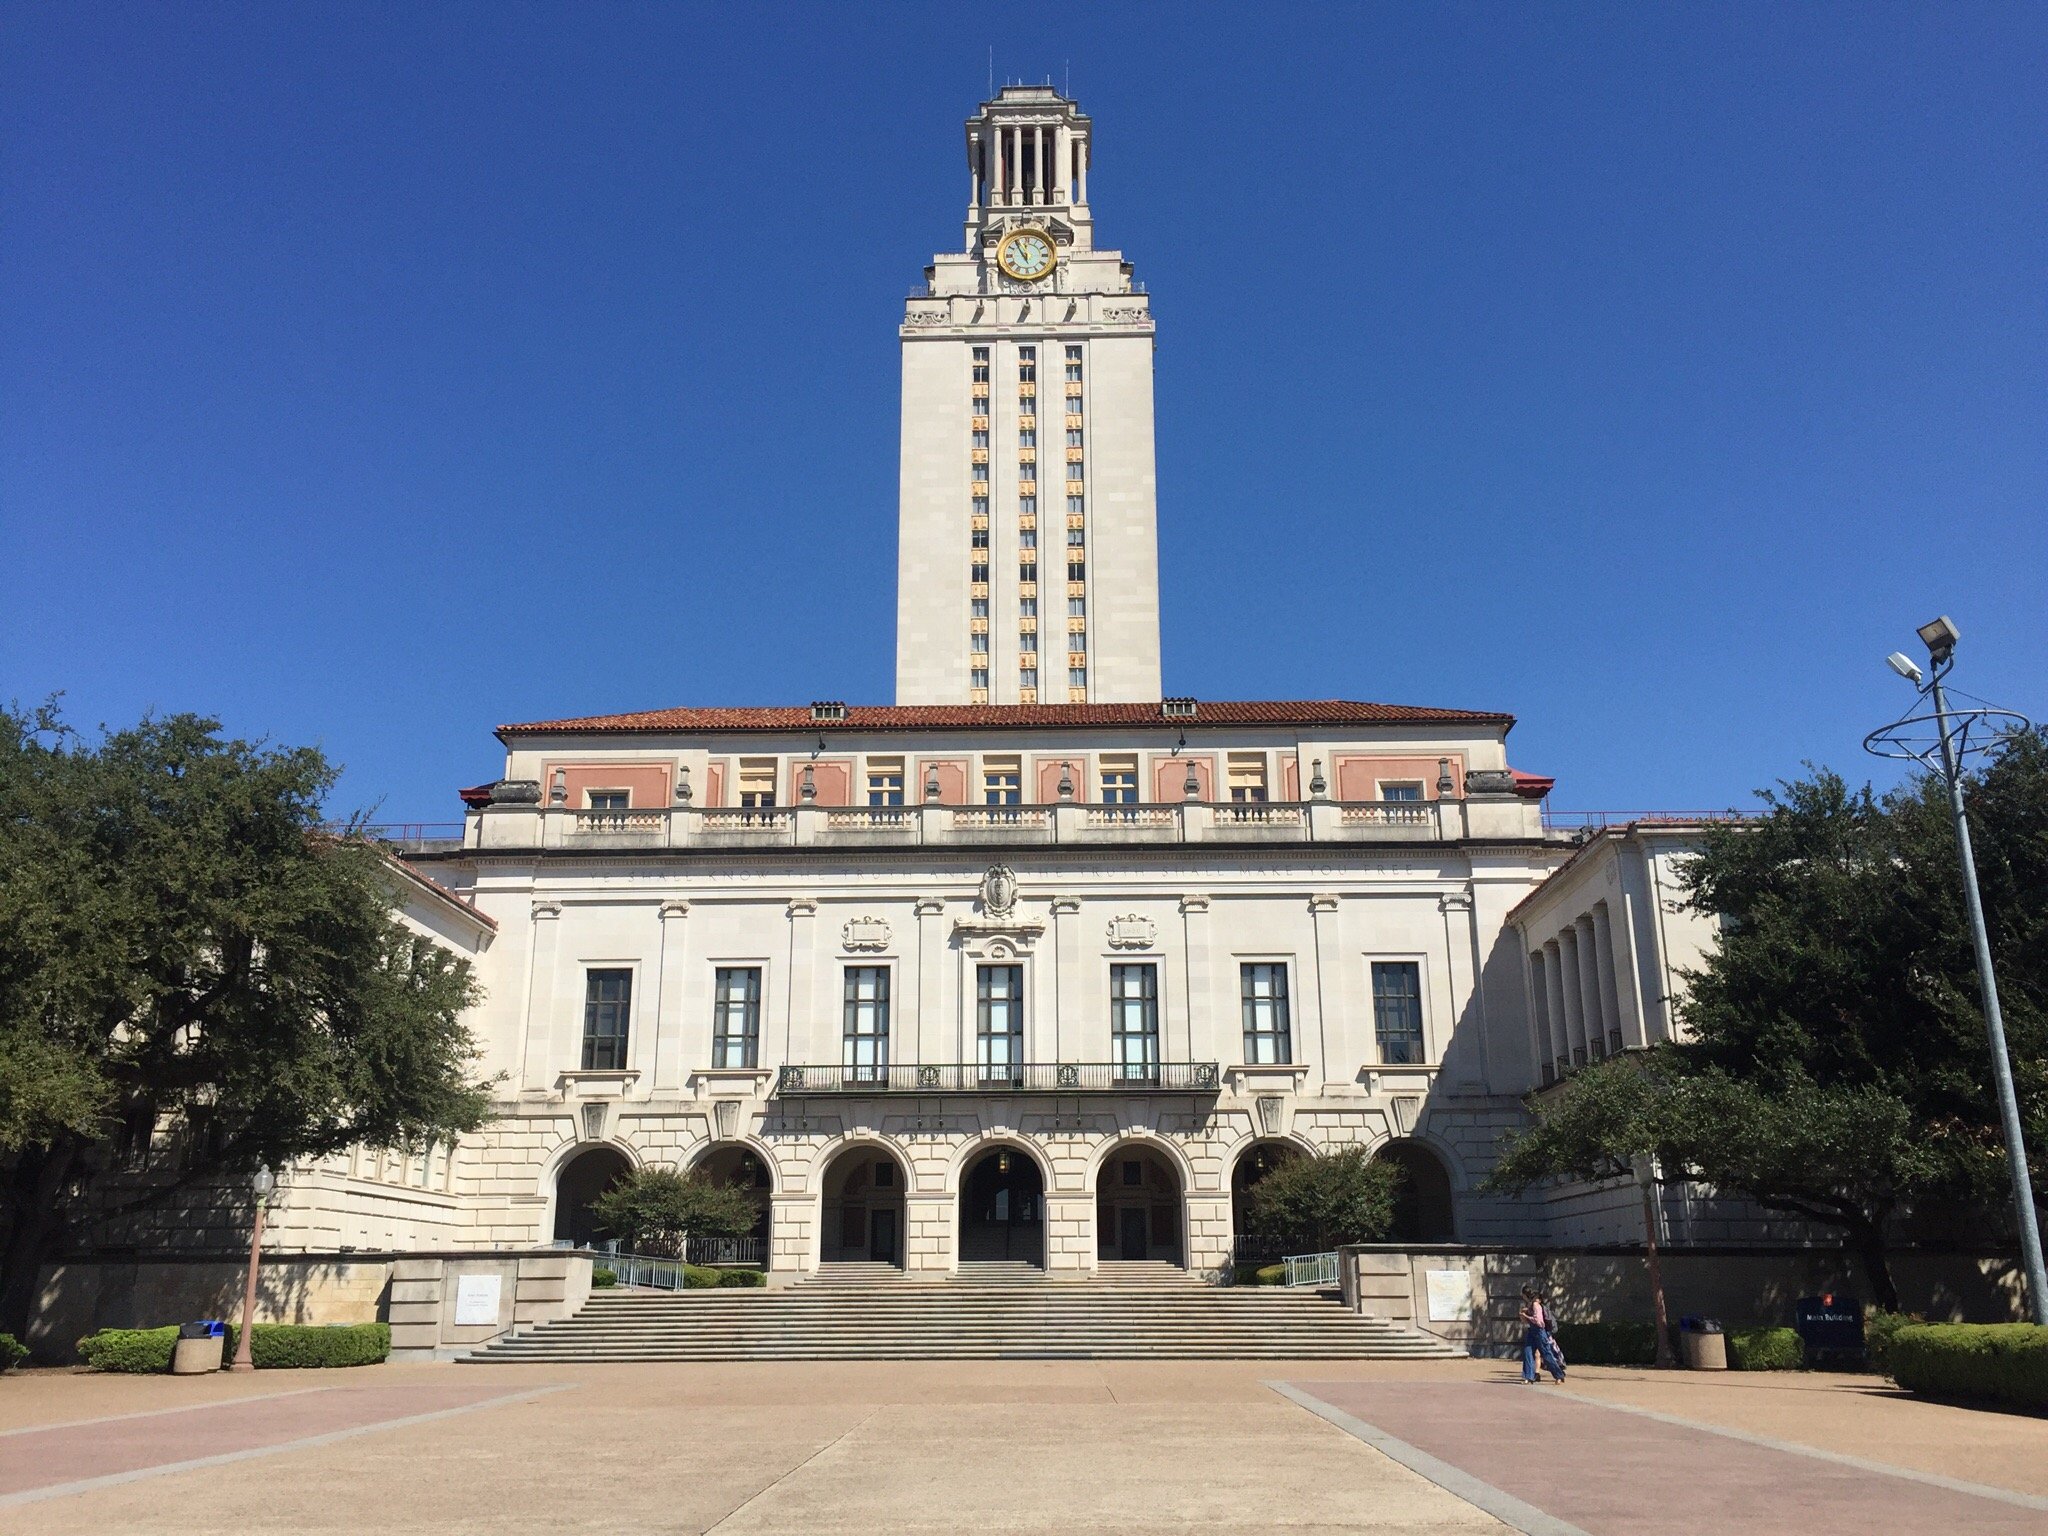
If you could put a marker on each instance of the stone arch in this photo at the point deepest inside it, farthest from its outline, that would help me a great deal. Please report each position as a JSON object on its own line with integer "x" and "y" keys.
{"x": 1001, "y": 1184}
{"x": 969, "y": 1151}
{"x": 748, "y": 1166}
{"x": 581, "y": 1173}
{"x": 1424, "y": 1211}
{"x": 1141, "y": 1202}
{"x": 1251, "y": 1162}
{"x": 862, "y": 1217}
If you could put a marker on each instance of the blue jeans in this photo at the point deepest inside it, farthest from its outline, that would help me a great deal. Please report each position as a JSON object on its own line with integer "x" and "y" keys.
{"x": 1535, "y": 1340}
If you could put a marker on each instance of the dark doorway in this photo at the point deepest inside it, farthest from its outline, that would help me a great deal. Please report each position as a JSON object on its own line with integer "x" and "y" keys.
{"x": 1136, "y": 1234}
{"x": 578, "y": 1184}
{"x": 1002, "y": 1210}
{"x": 1248, "y": 1244}
{"x": 882, "y": 1237}
{"x": 863, "y": 1208}
{"x": 1422, "y": 1201}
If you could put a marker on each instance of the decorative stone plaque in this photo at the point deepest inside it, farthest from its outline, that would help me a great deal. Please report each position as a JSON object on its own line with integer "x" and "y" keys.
{"x": 476, "y": 1300}
{"x": 867, "y": 933}
{"x": 1132, "y": 932}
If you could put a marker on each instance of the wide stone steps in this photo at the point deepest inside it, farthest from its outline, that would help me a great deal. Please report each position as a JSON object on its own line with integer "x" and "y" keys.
{"x": 836, "y": 1317}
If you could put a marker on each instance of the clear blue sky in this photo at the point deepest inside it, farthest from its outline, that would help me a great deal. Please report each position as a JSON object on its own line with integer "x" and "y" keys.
{"x": 375, "y": 374}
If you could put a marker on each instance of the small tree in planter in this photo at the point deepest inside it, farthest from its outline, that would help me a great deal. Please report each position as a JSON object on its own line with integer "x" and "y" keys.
{"x": 653, "y": 1210}
{"x": 1316, "y": 1203}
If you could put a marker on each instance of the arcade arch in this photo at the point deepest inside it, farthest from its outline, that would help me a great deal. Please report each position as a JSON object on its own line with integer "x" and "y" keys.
{"x": 1140, "y": 1206}
{"x": 582, "y": 1177}
{"x": 861, "y": 1216}
{"x": 1002, "y": 1208}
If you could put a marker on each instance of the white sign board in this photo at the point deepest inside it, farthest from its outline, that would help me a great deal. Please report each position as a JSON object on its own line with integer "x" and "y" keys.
{"x": 1450, "y": 1295}
{"x": 476, "y": 1298}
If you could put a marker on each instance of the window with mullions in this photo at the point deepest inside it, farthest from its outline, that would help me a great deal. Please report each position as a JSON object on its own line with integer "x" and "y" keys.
{"x": 1397, "y": 1011}
{"x": 736, "y": 1017}
{"x": 607, "y": 1014}
{"x": 1262, "y": 987}
{"x": 999, "y": 1022}
{"x": 864, "y": 1050}
{"x": 1134, "y": 1022}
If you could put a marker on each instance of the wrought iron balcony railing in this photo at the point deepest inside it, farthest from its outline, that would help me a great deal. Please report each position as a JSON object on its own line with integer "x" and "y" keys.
{"x": 1011, "y": 1077}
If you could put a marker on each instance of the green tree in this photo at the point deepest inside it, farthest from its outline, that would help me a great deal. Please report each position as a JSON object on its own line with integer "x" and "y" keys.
{"x": 1835, "y": 1066}
{"x": 652, "y": 1210}
{"x": 195, "y": 978}
{"x": 1315, "y": 1203}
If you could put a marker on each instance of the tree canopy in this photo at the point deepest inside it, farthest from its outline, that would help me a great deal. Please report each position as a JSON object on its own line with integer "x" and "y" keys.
{"x": 652, "y": 1210}
{"x": 1315, "y": 1203}
{"x": 190, "y": 964}
{"x": 1835, "y": 1063}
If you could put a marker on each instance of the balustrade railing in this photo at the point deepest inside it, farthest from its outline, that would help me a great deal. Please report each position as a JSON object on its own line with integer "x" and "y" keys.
{"x": 1388, "y": 813}
{"x": 1003, "y": 1077}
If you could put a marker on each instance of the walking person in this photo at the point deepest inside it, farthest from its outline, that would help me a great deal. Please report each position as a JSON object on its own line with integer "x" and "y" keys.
{"x": 1538, "y": 1337}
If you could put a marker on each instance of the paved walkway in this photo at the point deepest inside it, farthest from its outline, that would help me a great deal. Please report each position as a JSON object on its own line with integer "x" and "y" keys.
{"x": 1552, "y": 1464}
{"x": 1073, "y": 1447}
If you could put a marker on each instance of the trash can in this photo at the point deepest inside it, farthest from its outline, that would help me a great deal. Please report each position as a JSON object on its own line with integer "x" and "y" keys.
{"x": 199, "y": 1348}
{"x": 1702, "y": 1346}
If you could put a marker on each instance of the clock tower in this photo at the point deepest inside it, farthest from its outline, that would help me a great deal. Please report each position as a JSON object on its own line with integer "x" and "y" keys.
{"x": 1028, "y": 565}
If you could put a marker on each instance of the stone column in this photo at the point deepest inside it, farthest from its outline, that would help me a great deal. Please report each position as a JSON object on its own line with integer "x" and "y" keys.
{"x": 1610, "y": 992}
{"x": 1196, "y": 1022}
{"x": 1461, "y": 961}
{"x": 538, "y": 1068}
{"x": 1589, "y": 990}
{"x": 927, "y": 1036}
{"x": 1539, "y": 1012}
{"x": 1553, "y": 979}
{"x": 799, "y": 1026}
{"x": 1039, "y": 191}
{"x": 1574, "y": 994}
{"x": 669, "y": 1065}
{"x": 1328, "y": 981}
{"x": 1081, "y": 167}
{"x": 1062, "y": 138}
{"x": 1067, "y": 1024}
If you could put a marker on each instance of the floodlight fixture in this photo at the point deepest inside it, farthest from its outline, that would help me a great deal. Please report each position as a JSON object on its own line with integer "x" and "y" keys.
{"x": 1905, "y": 666}
{"x": 1940, "y": 637}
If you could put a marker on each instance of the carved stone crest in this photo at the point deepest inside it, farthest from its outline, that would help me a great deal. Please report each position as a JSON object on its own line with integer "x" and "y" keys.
{"x": 1131, "y": 932}
{"x": 999, "y": 892}
{"x": 865, "y": 933}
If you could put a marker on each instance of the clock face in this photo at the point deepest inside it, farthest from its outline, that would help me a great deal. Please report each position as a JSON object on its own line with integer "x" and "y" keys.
{"x": 1026, "y": 254}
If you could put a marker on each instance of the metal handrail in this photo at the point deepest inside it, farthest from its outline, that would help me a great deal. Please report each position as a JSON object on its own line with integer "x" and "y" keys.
{"x": 1317, "y": 1269}
{"x": 1003, "y": 1077}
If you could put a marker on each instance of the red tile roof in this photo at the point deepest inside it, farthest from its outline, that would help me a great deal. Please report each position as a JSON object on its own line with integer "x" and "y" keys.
{"x": 974, "y": 717}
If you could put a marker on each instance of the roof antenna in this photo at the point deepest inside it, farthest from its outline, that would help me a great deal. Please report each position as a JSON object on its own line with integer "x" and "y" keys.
{"x": 991, "y": 71}
{"x": 1069, "y": 91}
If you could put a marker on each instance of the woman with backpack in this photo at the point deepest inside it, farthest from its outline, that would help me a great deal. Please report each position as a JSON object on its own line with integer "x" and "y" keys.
{"x": 1537, "y": 1336}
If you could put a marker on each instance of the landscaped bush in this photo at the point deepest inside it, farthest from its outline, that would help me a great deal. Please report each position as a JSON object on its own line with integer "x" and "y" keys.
{"x": 705, "y": 1277}
{"x": 1878, "y": 1331}
{"x": 1608, "y": 1343}
{"x": 1996, "y": 1362}
{"x": 12, "y": 1351}
{"x": 134, "y": 1350}
{"x": 602, "y": 1279}
{"x": 294, "y": 1346}
{"x": 1765, "y": 1349}
{"x": 740, "y": 1279}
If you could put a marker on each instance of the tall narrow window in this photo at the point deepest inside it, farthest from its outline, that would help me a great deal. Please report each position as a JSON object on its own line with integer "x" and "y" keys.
{"x": 1134, "y": 1023}
{"x": 865, "y": 1041}
{"x": 885, "y": 781}
{"x": 1263, "y": 990}
{"x": 1119, "y": 776}
{"x": 999, "y": 1022}
{"x": 757, "y": 782}
{"x": 1002, "y": 781}
{"x": 1397, "y": 1010}
{"x": 607, "y": 1014}
{"x": 736, "y": 1017}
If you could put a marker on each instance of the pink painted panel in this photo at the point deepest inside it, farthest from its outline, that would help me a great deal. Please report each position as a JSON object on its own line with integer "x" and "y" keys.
{"x": 833, "y": 778}
{"x": 647, "y": 783}
{"x": 952, "y": 772}
{"x": 1046, "y": 775}
{"x": 714, "y": 783}
{"x": 1358, "y": 778}
{"x": 1170, "y": 776}
{"x": 1290, "y": 778}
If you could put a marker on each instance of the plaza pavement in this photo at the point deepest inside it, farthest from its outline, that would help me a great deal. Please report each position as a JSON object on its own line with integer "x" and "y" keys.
{"x": 1012, "y": 1446}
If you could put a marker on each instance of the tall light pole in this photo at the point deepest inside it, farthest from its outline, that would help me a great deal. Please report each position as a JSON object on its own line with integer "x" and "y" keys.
{"x": 1951, "y": 741}
{"x": 260, "y": 1186}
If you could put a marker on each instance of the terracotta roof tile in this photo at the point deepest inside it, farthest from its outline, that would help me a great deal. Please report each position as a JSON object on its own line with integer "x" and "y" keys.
{"x": 922, "y": 717}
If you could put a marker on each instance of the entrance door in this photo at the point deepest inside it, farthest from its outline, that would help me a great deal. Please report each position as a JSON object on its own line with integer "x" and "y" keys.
{"x": 882, "y": 1236}
{"x": 1131, "y": 1230}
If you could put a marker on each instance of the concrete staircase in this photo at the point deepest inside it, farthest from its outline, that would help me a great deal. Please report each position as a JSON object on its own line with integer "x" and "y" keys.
{"x": 875, "y": 1312}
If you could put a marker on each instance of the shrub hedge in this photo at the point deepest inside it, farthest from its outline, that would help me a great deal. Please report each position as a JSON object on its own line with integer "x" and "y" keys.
{"x": 741, "y": 1279}
{"x": 295, "y": 1346}
{"x": 1608, "y": 1343}
{"x": 602, "y": 1279}
{"x": 134, "y": 1350}
{"x": 12, "y": 1351}
{"x": 1765, "y": 1349}
{"x": 704, "y": 1277}
{"x": 273, "y": 1346}
{"x": 1996, "y": 1362}
{"x": 1878, "y": 1331}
